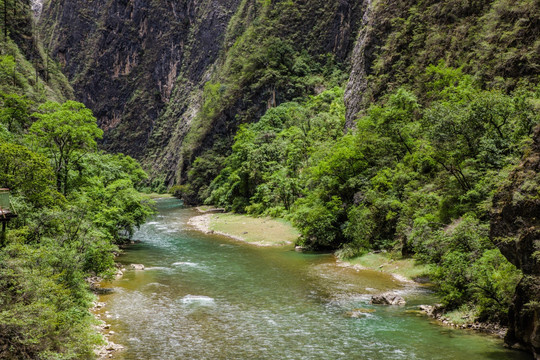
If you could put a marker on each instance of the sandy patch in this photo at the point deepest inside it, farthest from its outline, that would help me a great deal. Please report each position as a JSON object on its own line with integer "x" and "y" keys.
{"x": 254, "y": 231}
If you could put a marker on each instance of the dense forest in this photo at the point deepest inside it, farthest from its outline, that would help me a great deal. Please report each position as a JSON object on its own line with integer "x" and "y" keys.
{"x": 74, "y": 203}
{"x": 399, "y": 127}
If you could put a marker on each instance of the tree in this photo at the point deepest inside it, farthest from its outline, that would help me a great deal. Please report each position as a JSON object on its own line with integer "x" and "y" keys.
{"x": 28, "y": 174}
{"x": 67, "y": 132}
{"x": 14, "y": 112}
{"x": 396, "y": 119}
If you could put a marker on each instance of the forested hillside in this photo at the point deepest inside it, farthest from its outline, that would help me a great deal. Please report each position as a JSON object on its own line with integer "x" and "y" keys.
{"x": 74, "y": 203}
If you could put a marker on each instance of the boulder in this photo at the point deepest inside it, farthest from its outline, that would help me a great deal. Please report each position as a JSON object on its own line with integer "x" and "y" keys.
{"x": 119, "y": 274}
{"x": 433, "y": 311}
{"x": 387, "y": 299}
{"x": 137, "y": 266}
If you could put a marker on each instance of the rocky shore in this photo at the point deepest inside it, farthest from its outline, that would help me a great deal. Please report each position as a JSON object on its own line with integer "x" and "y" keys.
{"x": 107, "y": 350}
{"x": 437, "y": 312}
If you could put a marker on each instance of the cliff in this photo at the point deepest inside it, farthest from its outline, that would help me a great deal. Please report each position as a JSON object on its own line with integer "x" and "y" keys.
{"x": 141, "y": 66}
{"x": 494, "y": 40}
{"x": 125, "y": 59}
{"x": 27, "y": 68}
{"x": 515, "y": 228}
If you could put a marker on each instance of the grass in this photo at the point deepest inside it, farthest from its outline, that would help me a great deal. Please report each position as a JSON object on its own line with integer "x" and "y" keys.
{"x": 152, "y": 196}
{"x": 387, "y": 263}
{"x": 260, "y": 231}
{"x": 460, "y": 316}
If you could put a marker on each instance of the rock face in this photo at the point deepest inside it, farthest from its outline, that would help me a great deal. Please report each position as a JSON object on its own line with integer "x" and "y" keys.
{"x": 515, "y": 228}
{"x": 141, "y": 65}
{"x": 387, "y": 299}
{"x": 125, "y": 58}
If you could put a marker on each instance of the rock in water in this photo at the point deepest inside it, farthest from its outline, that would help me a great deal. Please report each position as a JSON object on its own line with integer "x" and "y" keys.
{"x": 433, "y": 311}
{"x": 359, "y": 313}
{"x": 137, "y": 266}
{"x": 387, "y": 299}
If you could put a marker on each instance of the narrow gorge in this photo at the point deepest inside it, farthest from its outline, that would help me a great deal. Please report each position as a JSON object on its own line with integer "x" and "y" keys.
{"x": 402, "y": 131}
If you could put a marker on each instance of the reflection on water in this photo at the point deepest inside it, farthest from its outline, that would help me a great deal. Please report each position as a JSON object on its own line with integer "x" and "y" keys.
{"x": 207, "y": 297}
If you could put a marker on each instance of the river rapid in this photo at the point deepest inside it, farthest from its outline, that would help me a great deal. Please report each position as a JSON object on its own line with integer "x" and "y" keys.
{"x": 209, "y": 297}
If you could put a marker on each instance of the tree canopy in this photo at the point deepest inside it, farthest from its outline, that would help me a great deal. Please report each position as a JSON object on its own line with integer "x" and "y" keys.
{"x": 66, "y": 132}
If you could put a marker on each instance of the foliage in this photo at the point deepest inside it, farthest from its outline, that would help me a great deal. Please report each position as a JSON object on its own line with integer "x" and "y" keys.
{"x": 27, "y": 174}
{"x": 66, "y": 132}
{"x": 264, "y": 169}
{"x": 412, "y": 176}
{"x": 41, "y": 317}
{"x": 262, "y": 68}
{"x": 74, "y": 203}
{"x": 58, "y": 240}
{"x": 15, "y": 112}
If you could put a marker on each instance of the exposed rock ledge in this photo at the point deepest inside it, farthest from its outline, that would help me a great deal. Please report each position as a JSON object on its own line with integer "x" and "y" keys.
{"x": 387, "y": 299}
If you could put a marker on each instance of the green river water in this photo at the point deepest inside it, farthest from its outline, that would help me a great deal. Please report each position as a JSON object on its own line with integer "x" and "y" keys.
{"x": 208, "y": 297}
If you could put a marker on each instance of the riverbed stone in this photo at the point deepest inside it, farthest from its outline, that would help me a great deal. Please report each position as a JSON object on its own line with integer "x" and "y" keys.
{"x": 387, "y": 299}
{"x": 359, "y": 313}
{"x": 433, "y": 311}
{"x": 137, "y": 266}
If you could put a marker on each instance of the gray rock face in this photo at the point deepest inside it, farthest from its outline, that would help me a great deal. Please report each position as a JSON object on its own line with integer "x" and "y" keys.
{"x": 374, "y": 31}
{"x": 361, "y": 63}
{"x": 387, "y": 299}
{"x": 37, "y": 6}
{"x": 126, "y": 58}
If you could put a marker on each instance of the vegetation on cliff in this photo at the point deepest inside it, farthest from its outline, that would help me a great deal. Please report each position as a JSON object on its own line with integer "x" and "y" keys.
{"x": 515, "y": 230}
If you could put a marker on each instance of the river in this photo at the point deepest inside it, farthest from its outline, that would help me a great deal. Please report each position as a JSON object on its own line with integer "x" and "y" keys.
{"x": 208, "y": 297}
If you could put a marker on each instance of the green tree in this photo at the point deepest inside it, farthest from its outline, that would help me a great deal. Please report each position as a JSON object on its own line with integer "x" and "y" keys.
{"x": 14, "y": 112}
{"x": 67, "y": 132}
{"x": 117, "y": 208}
{"x": 27, "y": 174}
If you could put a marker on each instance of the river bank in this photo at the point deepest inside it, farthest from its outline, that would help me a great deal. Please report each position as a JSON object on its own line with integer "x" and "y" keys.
{"x": 108, "y": 348}
{"x": 404, "y": 269}
{"x": 277, "y": 232}
{"x": 272, "y": 232}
